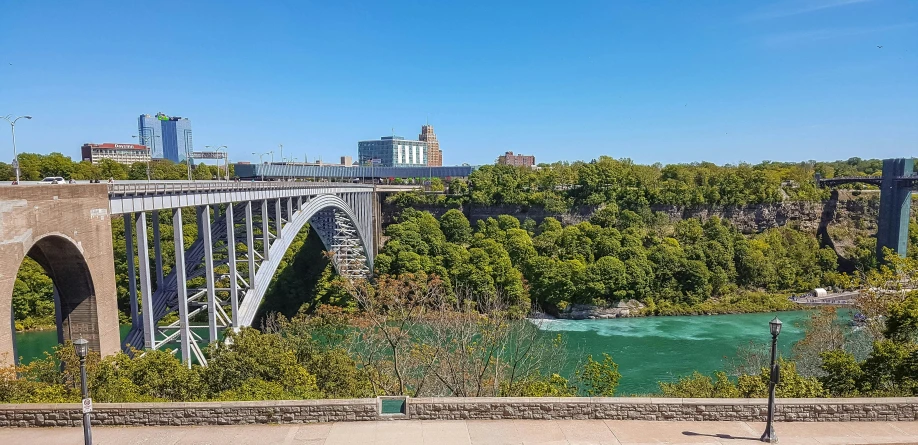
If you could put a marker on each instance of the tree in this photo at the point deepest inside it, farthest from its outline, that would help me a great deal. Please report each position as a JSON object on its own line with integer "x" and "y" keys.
{"x": 599, "y": 378}
{"x": 456, "y": 227}
{"x": 252, "y": 361}
{"x": 111, "y": 169}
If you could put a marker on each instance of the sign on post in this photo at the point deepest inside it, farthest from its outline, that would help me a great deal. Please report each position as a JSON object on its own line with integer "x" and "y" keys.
{"x": 87, "y": 405}
{"x": 208, "y": 155}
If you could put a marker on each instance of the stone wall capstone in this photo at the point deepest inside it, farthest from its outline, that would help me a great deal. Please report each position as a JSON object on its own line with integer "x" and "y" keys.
{"x": 457, "y": 408}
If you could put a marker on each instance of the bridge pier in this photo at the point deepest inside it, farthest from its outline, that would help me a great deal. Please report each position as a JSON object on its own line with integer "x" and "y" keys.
{"x": 895, "y": 207}
{"x": 67, "y": 230}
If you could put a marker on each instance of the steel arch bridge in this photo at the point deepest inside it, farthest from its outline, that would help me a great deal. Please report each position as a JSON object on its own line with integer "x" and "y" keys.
{"x": 244, "y": 229}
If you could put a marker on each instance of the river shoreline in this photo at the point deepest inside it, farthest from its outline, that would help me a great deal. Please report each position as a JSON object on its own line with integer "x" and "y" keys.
{"x": 593, "y": 312}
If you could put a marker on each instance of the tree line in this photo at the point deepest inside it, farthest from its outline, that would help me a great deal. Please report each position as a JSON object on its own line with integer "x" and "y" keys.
{"x": 35, "y": 167}
{"x": 562, "y": 186}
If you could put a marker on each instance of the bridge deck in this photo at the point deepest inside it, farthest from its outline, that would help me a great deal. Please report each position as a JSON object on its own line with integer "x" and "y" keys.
{"x": 148, "y": 196}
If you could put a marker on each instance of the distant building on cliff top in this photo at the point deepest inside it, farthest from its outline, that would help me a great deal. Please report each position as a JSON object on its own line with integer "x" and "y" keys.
{"x": 509, "y": 158}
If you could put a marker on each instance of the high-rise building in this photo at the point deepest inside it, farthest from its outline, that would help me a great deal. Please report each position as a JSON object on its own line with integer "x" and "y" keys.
{"x": 168, "y": 137}
{"x": 150, "y": 133}
{"x": 434, "y": 155}
{"x": 509, "y": 158}
{"x": 392, "y": 151}
{"x": 122, "y": 153}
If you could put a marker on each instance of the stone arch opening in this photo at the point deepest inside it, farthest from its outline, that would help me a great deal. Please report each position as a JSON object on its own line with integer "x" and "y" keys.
{"x": 76, "y": 311}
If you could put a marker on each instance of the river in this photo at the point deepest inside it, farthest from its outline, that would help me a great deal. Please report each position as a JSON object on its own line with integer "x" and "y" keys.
{"x": 653, "y": 349}
{"x": 647, "y": 349}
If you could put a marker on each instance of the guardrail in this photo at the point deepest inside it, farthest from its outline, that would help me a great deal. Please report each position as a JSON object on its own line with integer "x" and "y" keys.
{"x": 172, "y": 188}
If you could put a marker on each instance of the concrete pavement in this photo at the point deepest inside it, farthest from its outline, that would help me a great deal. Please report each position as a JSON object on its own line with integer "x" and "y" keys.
{"x": 481, "y": 432}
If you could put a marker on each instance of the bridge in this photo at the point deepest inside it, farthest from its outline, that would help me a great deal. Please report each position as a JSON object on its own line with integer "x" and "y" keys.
{"x": 243, "y": 231}
{"x": 896, "y": 186}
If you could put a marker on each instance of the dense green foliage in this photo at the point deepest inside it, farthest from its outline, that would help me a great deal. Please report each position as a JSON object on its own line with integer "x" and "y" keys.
{"x": 791, "y": 384}
{"x": 890, "y": 369}
{"x": 33, "y": 297}
{"x": 253, "y": 366}
{"x": 684, "y": 267}
{"x": 622, "y": 184}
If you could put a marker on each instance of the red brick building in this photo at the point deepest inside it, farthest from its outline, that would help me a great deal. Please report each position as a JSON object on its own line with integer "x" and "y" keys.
{"x": 434, "y": 155}
{"x": 509, "y": 158}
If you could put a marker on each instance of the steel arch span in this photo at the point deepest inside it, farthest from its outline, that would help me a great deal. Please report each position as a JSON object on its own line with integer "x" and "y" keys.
{"x": 234, "y": 283}
{"x": 334, "y": 221}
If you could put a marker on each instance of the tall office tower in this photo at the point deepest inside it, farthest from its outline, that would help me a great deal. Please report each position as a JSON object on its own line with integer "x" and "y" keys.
{"x": 167, "y": 137}
{"x": 434, "y": 155}
{"x": 150, "y": 134}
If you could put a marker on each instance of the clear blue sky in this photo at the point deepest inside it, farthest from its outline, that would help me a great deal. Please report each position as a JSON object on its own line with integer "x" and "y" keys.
{"x": 655, "y": 81}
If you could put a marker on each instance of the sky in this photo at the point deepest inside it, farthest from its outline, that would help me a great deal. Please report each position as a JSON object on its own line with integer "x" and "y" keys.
{"x": 655, "y": 81}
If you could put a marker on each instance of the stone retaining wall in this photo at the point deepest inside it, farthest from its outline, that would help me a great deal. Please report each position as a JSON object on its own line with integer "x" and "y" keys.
{"x": 450, "y": 408}
{"x": 200, "y": 413}
{"x": 634, "y": 408}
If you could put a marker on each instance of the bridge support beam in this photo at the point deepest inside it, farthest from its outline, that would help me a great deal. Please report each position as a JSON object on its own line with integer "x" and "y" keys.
{"x": 207, "y": 238}
{"x": 895, "y": 207}
{"x": 132, "y": 272}
{"x": 231, "y": 263}
{"x": 181, "y": 288}
{"x": 146, "y": 289}
{"x": 157, "y": 249}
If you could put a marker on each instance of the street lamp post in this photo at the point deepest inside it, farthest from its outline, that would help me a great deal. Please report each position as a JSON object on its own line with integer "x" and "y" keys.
{"x": 188, "y": 162}
{"x": 769, "y": 434}
{"x": 82, "y": 349}
{"x": 13, "y": 131}
{"x": 143, "y": 141}
{"x": 261, "y": 161}
{"x": 225, "y": 157}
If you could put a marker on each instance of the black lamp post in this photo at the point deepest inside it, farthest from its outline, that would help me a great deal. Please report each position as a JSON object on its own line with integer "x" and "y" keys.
{"x": 82, "y": 349}
{"x": 769, "y": 434}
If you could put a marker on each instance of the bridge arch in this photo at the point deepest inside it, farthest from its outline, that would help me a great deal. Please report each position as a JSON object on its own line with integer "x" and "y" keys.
{"x": 316, "y": 211}
{"x": 75, "y": 303}
{"x": 230, "y": 296}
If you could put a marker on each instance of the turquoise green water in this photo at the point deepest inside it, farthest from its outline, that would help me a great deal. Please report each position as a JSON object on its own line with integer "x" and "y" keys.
{"x": 33, "y": 344}
{"x": 647, "y": 350}
{"x": 653, "y": 349}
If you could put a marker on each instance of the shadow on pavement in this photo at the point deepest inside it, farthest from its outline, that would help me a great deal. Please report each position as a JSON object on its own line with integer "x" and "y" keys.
{"x": 719, "y": 436}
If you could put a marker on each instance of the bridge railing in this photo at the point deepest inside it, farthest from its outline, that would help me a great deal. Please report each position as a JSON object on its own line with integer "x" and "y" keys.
{"x": 173, "y": 188}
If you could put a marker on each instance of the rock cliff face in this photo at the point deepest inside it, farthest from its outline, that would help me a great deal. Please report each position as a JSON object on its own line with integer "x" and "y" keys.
{"x": 859, "y": 212}
{"x": 806, "y": 216}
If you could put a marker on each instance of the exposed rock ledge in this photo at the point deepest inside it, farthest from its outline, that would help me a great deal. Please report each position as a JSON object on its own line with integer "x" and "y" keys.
{"x": 628, "y": 308}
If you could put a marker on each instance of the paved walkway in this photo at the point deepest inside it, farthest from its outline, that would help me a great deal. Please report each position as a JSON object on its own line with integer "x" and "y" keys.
{"x": 480, "y": 432}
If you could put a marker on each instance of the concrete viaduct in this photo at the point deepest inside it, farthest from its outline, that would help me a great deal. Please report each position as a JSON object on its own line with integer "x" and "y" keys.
{"x": 243, "y": 231}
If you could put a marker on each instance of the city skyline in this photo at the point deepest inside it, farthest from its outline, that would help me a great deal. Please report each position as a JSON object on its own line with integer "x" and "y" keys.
{"x": 722, "y": 82}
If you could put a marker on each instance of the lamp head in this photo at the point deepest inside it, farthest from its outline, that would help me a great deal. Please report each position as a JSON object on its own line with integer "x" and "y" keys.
{"x": 81, "y": 346}
{"x": 775, "y": 326}
{"x": 27, "y": 117}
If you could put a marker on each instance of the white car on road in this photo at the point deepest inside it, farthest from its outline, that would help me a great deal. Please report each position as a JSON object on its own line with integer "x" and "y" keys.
{"x": 53, "y": 180}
